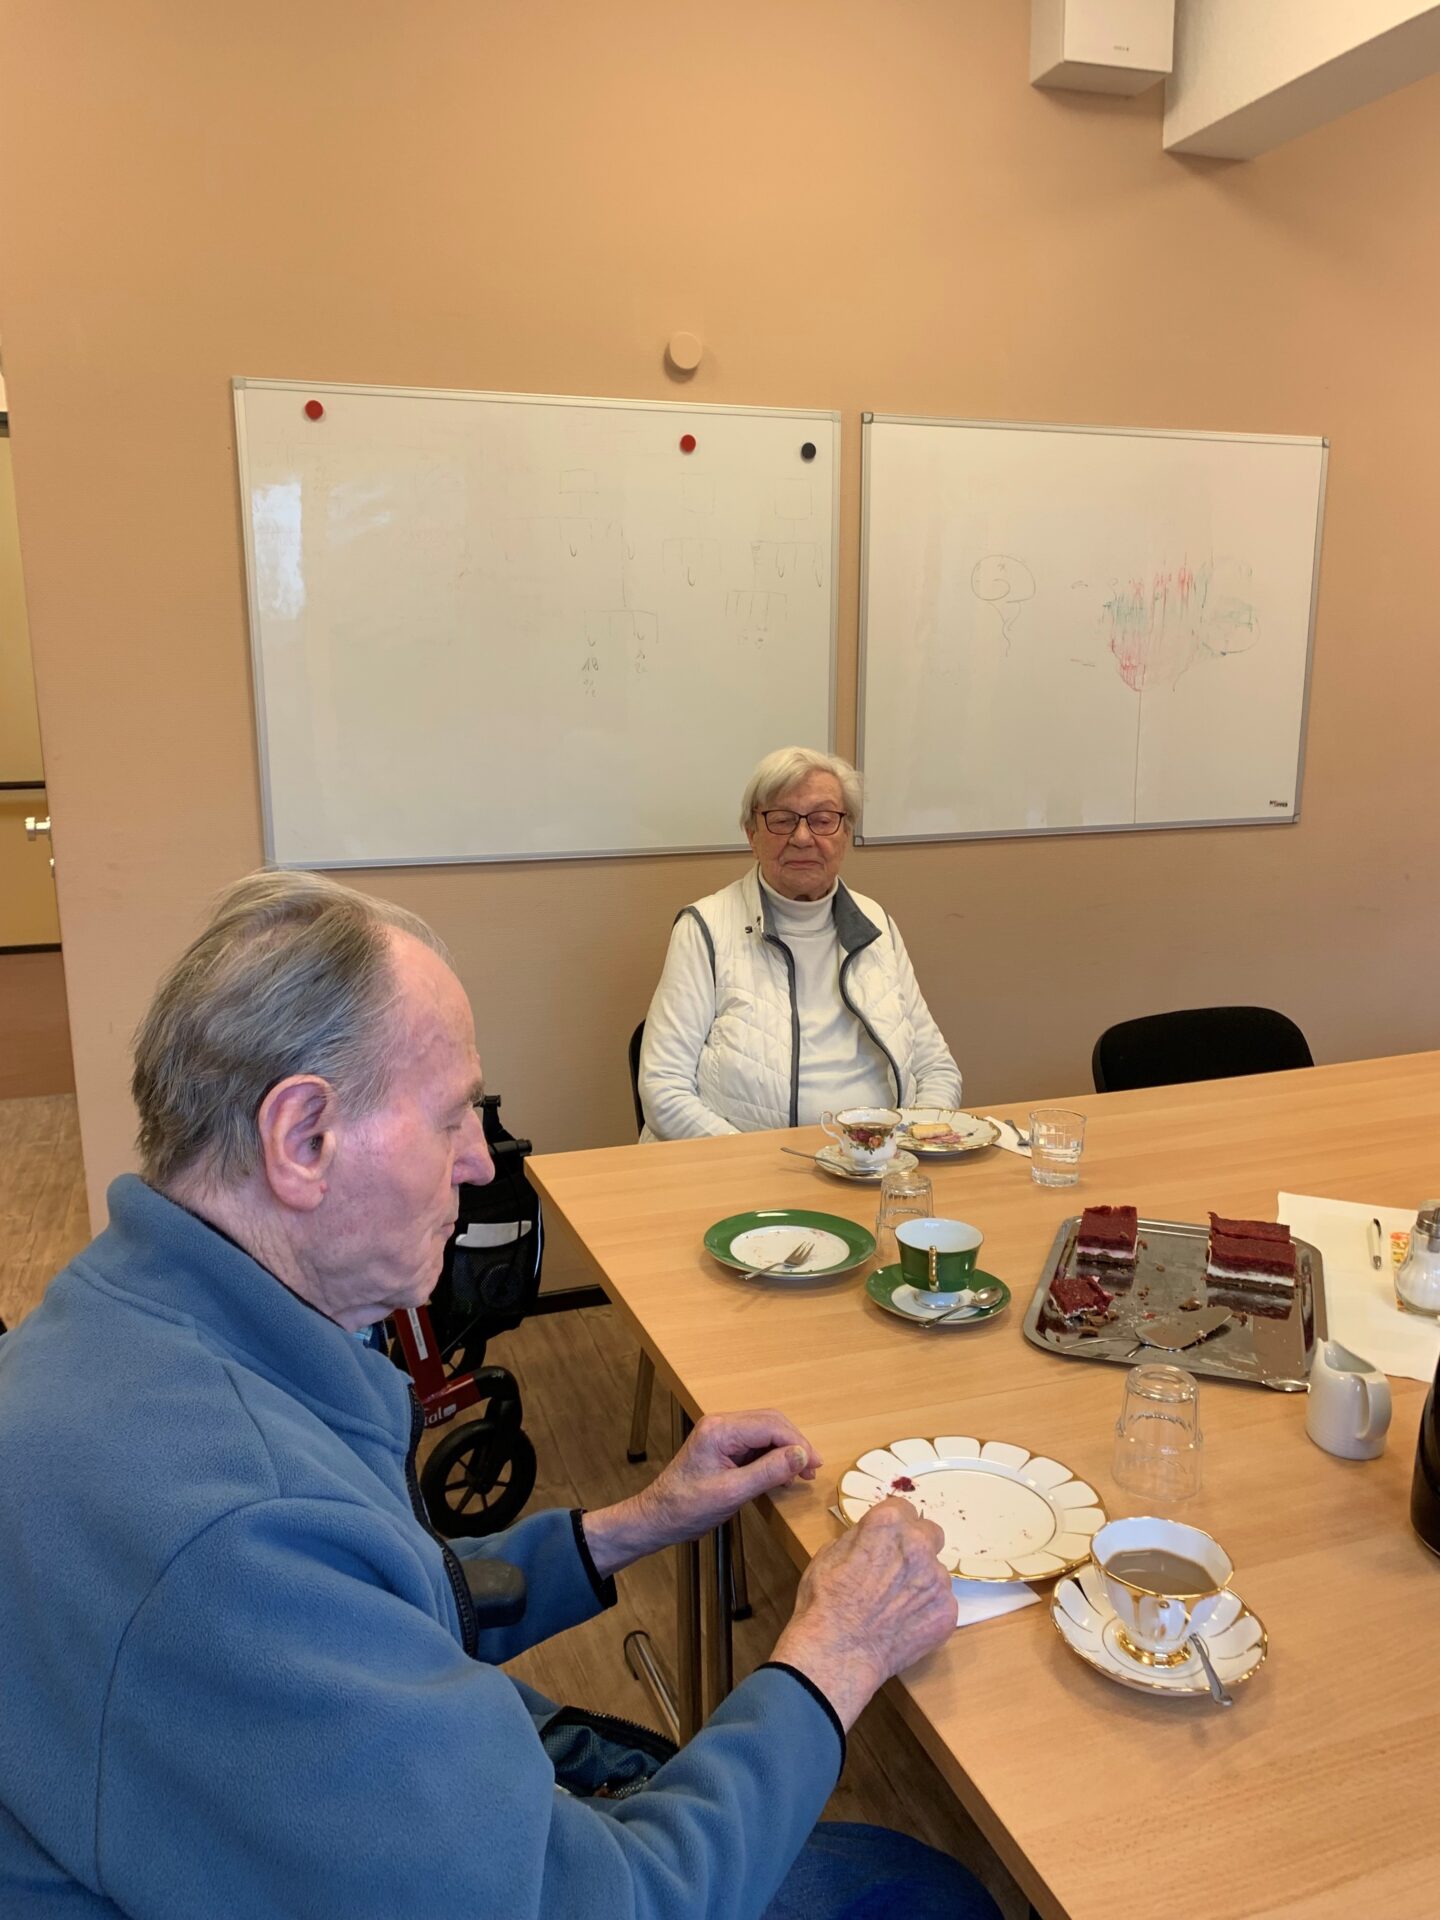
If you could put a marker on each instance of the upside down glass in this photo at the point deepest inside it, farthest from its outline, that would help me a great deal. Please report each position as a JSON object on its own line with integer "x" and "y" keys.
{"x": 1057, "y": 1139}
{"x": 905, "y": 1194}
{"x": 1158, "y": 1443}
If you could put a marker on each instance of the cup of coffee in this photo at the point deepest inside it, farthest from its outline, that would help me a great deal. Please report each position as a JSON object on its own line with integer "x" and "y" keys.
{"x": 1164, "y": 1580}
{"x": 866, "y": 1135}
{"x": 938, "y": 1256}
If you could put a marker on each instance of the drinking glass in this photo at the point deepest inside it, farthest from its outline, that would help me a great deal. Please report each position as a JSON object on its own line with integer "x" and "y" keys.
{"x": 1158, "y": 1443}
{"x": 905, "y": 1194}
{"x": 1057, "y": 1139}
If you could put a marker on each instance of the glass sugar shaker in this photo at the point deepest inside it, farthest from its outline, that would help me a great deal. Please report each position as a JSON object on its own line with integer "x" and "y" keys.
{"x": 1417, "y": 1284}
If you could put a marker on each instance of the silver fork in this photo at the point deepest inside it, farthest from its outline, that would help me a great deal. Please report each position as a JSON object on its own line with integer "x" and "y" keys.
{"x": 796, "y": 1257}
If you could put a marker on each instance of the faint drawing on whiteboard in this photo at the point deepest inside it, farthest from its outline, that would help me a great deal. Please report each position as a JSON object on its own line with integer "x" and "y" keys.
{"x": 697, "y": 562}
{"x": 757, "y": 617}
{"x": 1005, "y": 585}
{"x": 625, "y": 633}
{"x": 1158, "y": 630}
{"x": 787, "y": 562}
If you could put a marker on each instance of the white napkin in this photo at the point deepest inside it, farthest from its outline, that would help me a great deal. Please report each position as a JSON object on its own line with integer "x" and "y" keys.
{"x": 1009, "y": 1136}
{"x": 981, "y": 1599}
{"x": 1360, "y": 1307}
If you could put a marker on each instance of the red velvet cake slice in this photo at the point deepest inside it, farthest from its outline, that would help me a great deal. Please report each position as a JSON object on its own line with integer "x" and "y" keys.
{"x": 1259, "y": 1263}
{"x": 1107, "y": 1233}
{"x": 1077, "y": 1293}
{"x": 1248, "y": 1229}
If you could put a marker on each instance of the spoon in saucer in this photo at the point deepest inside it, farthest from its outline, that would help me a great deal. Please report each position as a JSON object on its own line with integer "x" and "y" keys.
{"x": 980, "y": 1297}
{"x": 1219, "y": 1693}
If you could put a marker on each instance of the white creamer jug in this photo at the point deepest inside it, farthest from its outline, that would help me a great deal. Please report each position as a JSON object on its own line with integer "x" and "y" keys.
{"x": 1348, "y": 1409}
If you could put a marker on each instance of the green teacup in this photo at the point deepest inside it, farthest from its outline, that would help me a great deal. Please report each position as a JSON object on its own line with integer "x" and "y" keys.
{"x": 938, "y": 1256}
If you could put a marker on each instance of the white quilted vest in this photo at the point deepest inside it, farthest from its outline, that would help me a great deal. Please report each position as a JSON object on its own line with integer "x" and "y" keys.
{"x": 749, "y": 1069}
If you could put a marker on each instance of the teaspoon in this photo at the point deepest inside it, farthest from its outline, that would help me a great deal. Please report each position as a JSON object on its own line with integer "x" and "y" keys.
{"x": 1218, "y": 1692}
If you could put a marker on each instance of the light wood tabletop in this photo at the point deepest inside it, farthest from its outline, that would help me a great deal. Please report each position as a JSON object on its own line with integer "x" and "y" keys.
{"x": 1313, "y": 1796}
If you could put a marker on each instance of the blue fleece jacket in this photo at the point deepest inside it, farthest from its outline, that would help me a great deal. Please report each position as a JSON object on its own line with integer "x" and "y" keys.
{"x": 232, "y": 1678}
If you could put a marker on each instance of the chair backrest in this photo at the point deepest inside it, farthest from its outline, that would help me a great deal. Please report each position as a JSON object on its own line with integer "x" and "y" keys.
{"x": 1199, "y": 1043}
{"x": 636, "y": 1037}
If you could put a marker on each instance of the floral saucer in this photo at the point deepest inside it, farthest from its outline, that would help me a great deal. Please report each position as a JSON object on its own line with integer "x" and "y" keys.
{"x": 1085, "y": 1620}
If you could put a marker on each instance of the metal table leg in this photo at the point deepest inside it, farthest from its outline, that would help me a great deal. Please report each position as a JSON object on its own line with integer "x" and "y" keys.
{"x": 715, "y": 1604}
{"x": 688, "y": 1691}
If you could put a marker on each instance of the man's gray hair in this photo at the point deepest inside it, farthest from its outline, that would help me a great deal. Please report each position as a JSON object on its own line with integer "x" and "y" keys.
{"x": 291, "y": 974}
{"x": 786, "y": 768}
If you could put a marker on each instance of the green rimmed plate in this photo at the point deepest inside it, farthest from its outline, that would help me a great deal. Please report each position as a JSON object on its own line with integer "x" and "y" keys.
{"x": 885, "y": 1282}
{"x": 747, "y": 1241}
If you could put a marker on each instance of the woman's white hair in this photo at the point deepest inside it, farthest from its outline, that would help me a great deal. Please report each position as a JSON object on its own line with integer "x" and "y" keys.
{"x": 778, "y": 772}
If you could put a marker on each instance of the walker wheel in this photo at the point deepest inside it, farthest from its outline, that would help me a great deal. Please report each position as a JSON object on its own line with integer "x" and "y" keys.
{"x": 478, "y": 1478}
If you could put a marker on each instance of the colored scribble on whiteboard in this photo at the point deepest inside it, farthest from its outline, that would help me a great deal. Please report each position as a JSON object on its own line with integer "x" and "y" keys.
{"x": 1158, "y": 628}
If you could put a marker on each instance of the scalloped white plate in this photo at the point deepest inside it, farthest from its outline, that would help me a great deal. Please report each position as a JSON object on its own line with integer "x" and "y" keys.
{"x": 1086, "y": 1622}
{"x": 1007, "y": 1514}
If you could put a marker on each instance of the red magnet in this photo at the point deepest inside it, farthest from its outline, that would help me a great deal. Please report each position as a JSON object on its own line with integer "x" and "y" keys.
{"x": 314, "y": 410}
{"x": 687, "y": 443}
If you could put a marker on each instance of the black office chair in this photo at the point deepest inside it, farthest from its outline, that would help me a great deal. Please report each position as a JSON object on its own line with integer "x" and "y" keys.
{"x": 1198, "y": 1043}
{"x": 636, "y": 1038}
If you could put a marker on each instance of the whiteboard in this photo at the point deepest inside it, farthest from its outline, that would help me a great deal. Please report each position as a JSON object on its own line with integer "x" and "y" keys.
{"x": 1072, "y": 629}
{"x": 497, "y": 626}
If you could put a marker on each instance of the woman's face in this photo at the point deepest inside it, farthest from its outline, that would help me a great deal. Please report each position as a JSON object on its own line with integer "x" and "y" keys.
{"x": 802, "y": 864}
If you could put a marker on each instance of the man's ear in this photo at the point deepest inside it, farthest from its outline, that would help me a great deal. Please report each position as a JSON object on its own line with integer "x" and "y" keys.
{"x": 297, "y": 1140}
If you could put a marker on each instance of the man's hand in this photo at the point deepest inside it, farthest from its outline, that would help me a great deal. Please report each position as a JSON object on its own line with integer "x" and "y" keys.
{"x": 728, "y": 1460}
{"x": 869, "y": 1605}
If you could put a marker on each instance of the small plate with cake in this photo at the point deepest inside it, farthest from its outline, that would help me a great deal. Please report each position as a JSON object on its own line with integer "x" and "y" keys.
{"x": 946, "y": 1133}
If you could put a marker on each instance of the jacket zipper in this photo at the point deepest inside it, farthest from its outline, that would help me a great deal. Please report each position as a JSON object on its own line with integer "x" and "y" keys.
{"x": 454, "y": 1572}
{"x": 875, "y": 1038}
{"x": 774, "y": 940}
{"x": 659, "y": 1746}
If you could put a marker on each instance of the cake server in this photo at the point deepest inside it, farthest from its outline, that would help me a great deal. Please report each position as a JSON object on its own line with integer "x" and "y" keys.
{"x": 1182, "y": 1330}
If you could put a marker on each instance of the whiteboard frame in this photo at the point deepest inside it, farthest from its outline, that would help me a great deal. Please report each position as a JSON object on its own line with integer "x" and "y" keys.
{"x": 867, "y": 420}
{"x": 240, "y": 383}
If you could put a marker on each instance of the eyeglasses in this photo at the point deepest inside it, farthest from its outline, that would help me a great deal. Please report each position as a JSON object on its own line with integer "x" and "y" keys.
{"x": 824, "y": 822}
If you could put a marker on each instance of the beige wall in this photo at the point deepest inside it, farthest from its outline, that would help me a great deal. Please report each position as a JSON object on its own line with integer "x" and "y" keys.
{"x": 856, "y": 205}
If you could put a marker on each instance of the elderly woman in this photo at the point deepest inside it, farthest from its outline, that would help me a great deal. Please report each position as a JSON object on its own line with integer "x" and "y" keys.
{"x": 785, "y": 993}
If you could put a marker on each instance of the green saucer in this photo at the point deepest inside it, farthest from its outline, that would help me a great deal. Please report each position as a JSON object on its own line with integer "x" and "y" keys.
{"x": 882, "y": 1283}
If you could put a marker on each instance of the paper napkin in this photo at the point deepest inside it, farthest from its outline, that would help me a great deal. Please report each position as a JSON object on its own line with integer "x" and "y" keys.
{"x": 1009, "y": 1136}
{"x": 1360, "y": 1307}
{"x": 981, "y": 1599}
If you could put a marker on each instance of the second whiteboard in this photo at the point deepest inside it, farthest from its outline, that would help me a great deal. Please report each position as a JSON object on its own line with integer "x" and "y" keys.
{"x": 1071, "y": 629}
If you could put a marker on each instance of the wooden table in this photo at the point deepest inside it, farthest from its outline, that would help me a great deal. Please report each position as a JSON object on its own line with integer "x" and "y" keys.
{"x": 1314, "y": 1796}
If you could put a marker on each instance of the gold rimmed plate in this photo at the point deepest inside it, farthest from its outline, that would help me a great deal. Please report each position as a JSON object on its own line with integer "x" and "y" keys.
{"x": 1085, "y": 1620}
{"x": 1007, "y": 1514}
{"x": 964, "y": 1132}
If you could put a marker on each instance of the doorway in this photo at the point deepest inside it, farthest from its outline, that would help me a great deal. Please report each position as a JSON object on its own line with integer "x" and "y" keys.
{"x": 35, "y": 1055}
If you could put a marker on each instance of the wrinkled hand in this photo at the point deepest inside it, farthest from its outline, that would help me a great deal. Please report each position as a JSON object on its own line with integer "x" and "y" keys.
{"x": 727, "y": 1461}
{"x": 869, "y": 1605}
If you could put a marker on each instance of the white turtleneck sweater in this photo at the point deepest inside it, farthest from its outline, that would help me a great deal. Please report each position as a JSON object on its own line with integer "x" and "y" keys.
{"x": 840, "y": 1065}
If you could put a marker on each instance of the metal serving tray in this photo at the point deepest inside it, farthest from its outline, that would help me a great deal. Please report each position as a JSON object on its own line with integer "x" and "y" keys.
{"x": 1268, "y": 1339}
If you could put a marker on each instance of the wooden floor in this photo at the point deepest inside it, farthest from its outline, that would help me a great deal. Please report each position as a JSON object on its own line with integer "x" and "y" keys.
{"x": 577, "y": 1375}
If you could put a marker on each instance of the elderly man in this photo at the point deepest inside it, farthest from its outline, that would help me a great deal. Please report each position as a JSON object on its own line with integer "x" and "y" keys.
{"x": 242, "y": 1677}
